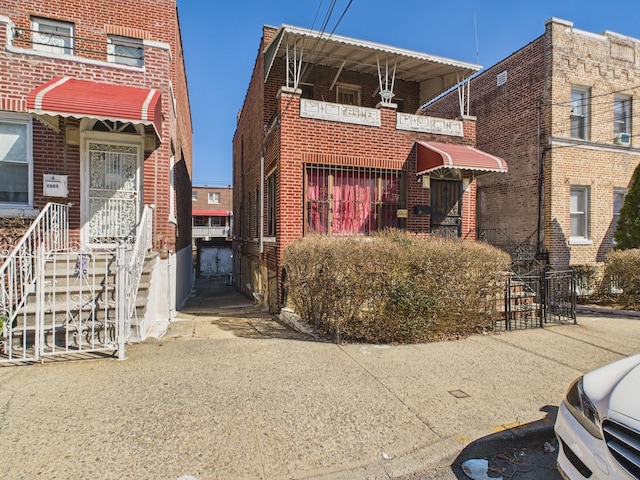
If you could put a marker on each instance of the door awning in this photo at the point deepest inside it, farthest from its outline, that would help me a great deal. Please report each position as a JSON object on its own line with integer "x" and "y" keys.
{"x": 70, "y": 97}
{"x": 433, "y": 156}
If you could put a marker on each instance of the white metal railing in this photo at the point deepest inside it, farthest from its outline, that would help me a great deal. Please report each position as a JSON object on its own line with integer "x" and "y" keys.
{"x": 59, "y": 299}
{"x": 200, "y": 232}
{"x": 130, "y": 266}
{"x": 18, "y": 274}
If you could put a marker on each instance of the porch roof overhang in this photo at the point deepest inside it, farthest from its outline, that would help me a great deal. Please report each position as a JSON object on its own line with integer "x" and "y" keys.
{"x": 70, "y": 97}
{"x": 432, "y": 156}
{"x": 434, "y": 73}
{"x": 211, "y": 213}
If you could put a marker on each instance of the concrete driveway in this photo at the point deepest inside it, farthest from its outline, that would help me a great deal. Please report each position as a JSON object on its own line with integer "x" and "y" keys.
{"x": 231, "y": 393}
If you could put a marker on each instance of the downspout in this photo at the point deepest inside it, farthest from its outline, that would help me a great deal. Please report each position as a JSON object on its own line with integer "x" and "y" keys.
{"x": 541, "y": 154}
{"x": 262, "y": 202}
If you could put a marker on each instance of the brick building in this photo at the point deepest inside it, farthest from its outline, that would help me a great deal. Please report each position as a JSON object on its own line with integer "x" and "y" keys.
{"x": 327, "y": 142}
{"x": 94, "y": 115}
{"x": 211, "y": 212}
{"x": 560, "y": 111}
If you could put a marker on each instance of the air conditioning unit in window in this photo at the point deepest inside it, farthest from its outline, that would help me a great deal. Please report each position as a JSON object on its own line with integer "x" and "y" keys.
{"x": 623, "y": 139}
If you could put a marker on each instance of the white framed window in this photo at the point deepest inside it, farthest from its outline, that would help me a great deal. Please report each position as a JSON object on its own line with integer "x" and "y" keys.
{"x": 125, "y": 50}
{"x": 213, "y": 198}
{"x": 618, "y": 201}
{"x": 622, "y": 114}
{"x": 52, "y": 36}
{"x": 194, "y": 195}
{"x": 580, "y": 112}
{"x": 16, "y": 161}
{"x": 579, "y": 213}
{"x": 348, "y": 94}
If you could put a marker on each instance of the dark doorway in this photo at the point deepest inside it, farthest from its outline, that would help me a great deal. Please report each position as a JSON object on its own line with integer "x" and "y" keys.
{"x": 446, "y": 208}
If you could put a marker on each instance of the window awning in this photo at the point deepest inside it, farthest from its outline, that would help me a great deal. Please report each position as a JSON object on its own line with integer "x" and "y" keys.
{"x": 211, "y": 213}
{"x": 433, "y": 156}
{"x": 70, "y": 97}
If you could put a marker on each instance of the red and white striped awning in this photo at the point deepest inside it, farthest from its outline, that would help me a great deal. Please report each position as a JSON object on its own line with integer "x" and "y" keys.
{"x": 433, "y": 156}
{"x": 70, "y": 97}
{"x": 210, "y": 213}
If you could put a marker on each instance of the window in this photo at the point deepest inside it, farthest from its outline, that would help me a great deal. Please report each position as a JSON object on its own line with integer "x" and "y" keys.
{"x": 199, "y": 221}
{"x": 348, "y": 95}
{"x": 307, "y": 90}
{"x": 579, "y": 113}
{"x": 618, "y": 200}
{"x": 345, "y": 201}
{"x": 579, "y": 212}
{"x": 194, "y": 195}
{"x": 52, "y": 36}
{"x": 126, "y": 51}
{"x": 622, "y": 114}
{"x": 271, "y": 205}
{"x": 15, "y": 161}
{"x": 213, "y": 198}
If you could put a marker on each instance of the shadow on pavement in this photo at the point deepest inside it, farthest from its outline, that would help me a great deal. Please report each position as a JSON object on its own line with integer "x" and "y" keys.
{"x": 214, "y": 304}
{"x": 526, "y": 452}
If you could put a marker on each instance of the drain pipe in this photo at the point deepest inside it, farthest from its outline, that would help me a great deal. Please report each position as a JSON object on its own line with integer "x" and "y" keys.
{"x": 262, "y": 202}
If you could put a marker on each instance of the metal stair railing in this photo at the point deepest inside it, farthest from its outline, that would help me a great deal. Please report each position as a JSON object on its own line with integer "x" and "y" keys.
{"x": 131, "y": 264}
{"x": 18, "y": 273}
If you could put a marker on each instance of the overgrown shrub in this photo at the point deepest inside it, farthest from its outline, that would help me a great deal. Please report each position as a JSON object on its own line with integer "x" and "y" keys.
{"x": 394, "y": 286}
{"x": 588, "y": 280}
{"x": 622, "y": 276}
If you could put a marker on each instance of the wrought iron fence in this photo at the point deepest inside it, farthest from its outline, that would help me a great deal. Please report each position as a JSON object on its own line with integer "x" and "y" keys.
{"x": 117, "y": 50}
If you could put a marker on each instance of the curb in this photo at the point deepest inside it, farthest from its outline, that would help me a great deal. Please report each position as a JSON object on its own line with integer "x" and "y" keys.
{"x": 607, "y": 311}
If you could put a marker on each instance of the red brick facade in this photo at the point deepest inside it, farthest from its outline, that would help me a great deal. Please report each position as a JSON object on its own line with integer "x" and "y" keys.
{"x": 155, "y": 22}
{"x": 275, "y": 145}
{"x": 535, "y": 103}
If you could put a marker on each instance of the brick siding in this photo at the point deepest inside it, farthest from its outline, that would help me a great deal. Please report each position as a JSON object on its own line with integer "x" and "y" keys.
{"x": 164, "y": 70}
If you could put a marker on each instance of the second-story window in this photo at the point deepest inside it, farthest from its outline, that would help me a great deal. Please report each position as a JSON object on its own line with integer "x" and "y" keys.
{"x": 621, "y": 114}
{"x": 348, "y": 94}
{"x": 194, "y": 195}
{"x": 213, "y": 198}
{"x": 52, "y": 36}
{"x": 126, "y": 51}
{"x": 579, "y": 113}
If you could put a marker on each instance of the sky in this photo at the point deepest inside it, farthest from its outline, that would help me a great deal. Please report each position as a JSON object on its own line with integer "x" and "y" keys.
{"x": 221, "y": 38}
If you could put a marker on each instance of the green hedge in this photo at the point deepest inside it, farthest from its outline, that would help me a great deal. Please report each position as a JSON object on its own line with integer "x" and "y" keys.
{"x": 394, "y": 287}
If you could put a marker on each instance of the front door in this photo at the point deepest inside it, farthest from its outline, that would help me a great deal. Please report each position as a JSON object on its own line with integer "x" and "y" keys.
{"x": 111, "y": 212}
{"x": 446, "y": 208}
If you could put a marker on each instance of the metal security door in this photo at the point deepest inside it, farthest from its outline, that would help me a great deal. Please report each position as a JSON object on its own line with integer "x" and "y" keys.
{"x": 113, "y": 211}
{"x": 446, "y": 210}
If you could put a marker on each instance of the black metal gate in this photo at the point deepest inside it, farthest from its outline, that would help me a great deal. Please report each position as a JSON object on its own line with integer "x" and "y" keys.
{"x": 446, "y": 208}
{"x": 536, "y": 300}
{"x": 535, "y": 294}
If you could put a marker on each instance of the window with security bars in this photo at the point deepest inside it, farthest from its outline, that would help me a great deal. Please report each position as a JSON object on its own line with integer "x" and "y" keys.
{"x": 125, "y": 50}
{"x": 348, "y": 201}
{"x": 52, "y": 36}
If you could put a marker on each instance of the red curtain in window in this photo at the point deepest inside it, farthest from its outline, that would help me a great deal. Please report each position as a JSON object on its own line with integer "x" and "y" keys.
{"x": 317, "y": 202}
{"x": 354, "y": 195}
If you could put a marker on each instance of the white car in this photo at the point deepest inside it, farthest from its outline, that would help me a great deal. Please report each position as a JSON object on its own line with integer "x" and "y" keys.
{"x": 598, "y": 424}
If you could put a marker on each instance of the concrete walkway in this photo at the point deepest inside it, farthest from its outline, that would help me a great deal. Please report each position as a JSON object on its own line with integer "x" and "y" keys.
{"x": 231, "y": 393}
